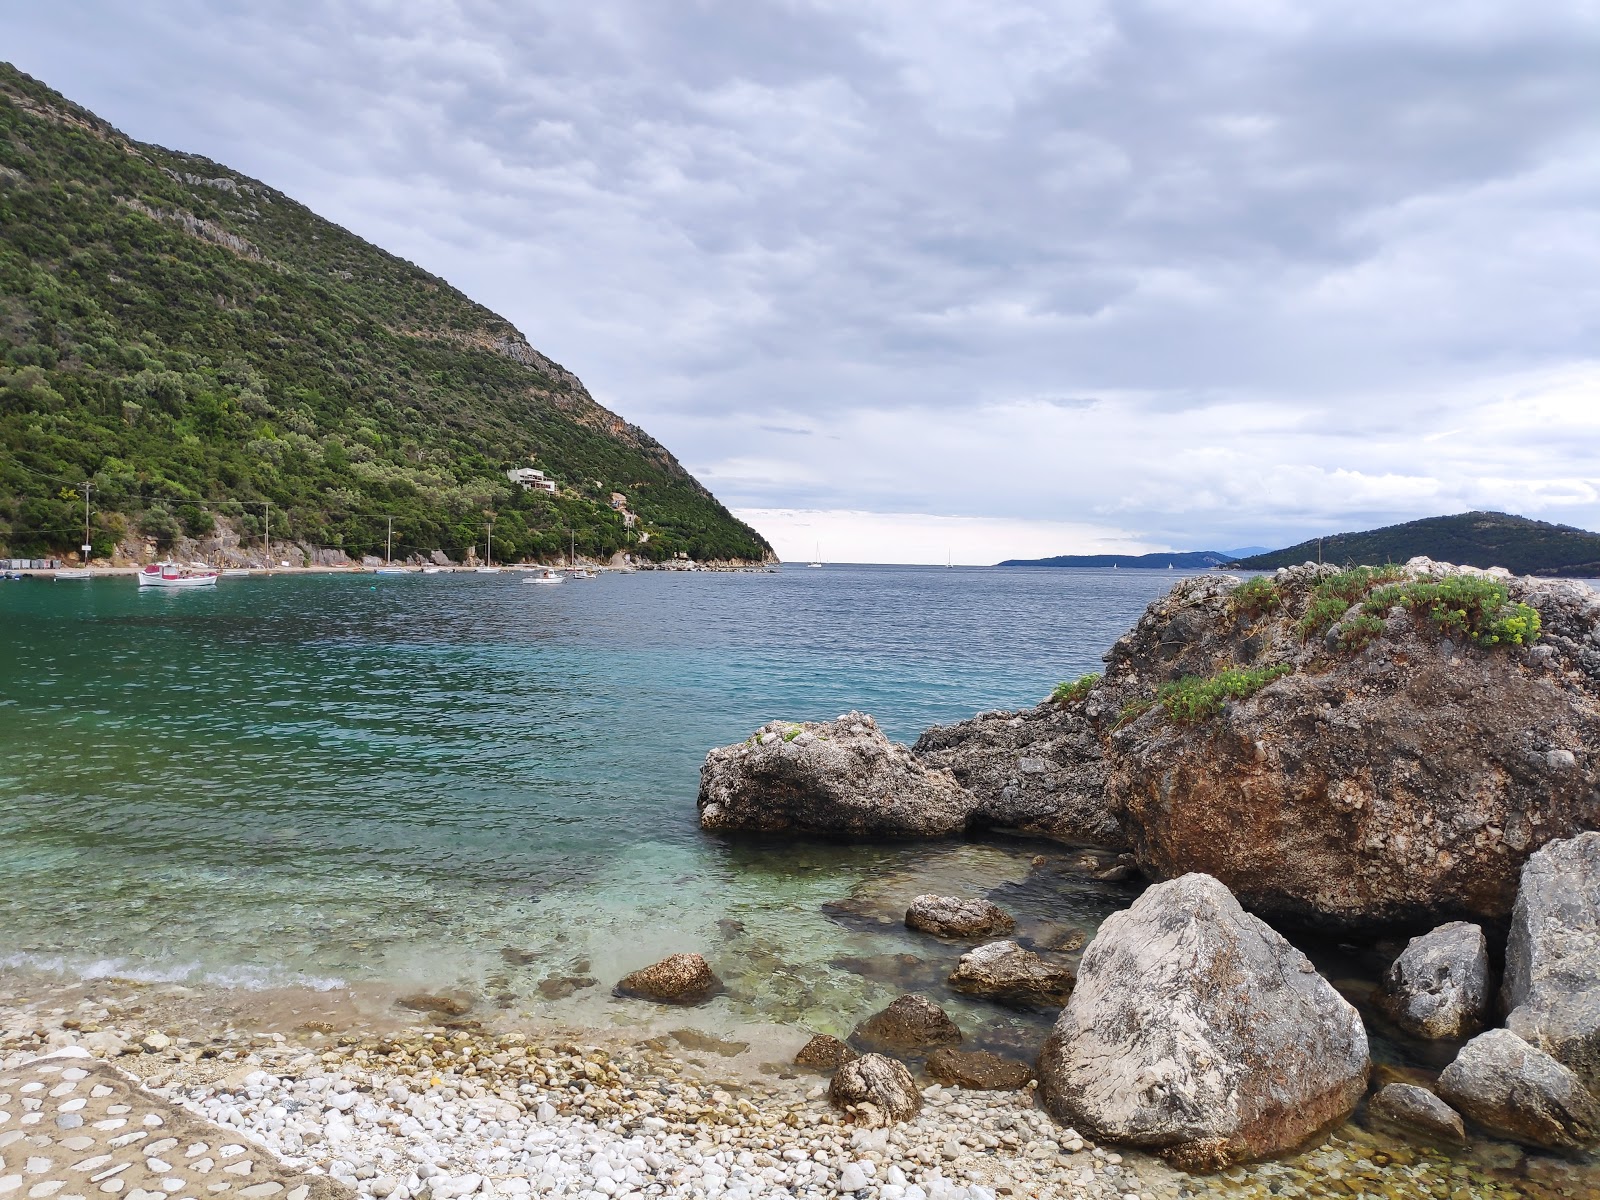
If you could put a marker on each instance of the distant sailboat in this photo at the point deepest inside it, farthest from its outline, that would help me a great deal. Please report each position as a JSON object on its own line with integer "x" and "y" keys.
{"x": 817, "y": 552}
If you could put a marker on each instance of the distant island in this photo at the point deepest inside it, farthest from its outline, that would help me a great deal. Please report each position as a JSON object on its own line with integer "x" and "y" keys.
{"x": 1477, "y": 539}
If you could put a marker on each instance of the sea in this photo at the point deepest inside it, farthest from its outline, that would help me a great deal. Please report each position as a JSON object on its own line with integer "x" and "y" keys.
{"x": 460, "y": 781}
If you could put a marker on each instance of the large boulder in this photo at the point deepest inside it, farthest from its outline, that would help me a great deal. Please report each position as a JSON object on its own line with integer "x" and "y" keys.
{"x": 676, "y": 979}
{"x": 834, "y": 777}
{"x": 1399, "y": 772}
{"x": 1520, "y": 1092}
{"x": 1439, "y": 985}
{"x": 1198, "y": 1031}
{"x": 879, "y": 1089}
{"x": 1040, "y": 771}
{"x": 1007, "y": 974}
{"x": 958, "y": 917}
{"x": 912, "y": 1023}
{"x": 1552, "y": 979}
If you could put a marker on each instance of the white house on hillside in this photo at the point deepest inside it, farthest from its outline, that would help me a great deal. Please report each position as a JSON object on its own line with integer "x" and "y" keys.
{"x": 531, "y": 479}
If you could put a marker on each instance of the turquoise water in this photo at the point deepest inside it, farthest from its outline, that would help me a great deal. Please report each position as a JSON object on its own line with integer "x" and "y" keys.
{"x": 464, "y": 781}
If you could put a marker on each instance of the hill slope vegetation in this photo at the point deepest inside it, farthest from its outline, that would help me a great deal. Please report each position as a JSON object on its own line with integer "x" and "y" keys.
{"x": 1476, "y": 539}
{"x": 198, "y": 346}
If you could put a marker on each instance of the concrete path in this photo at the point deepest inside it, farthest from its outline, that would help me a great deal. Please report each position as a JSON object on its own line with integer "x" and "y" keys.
{"x": 74, "y": 1128}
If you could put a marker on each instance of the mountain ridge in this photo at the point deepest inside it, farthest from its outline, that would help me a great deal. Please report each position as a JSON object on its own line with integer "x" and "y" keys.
{"x": 198, "y": 346}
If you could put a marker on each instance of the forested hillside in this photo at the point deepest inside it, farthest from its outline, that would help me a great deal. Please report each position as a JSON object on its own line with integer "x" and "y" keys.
{"x": 196, "y": 345}
{"x": 1474, "y": 539}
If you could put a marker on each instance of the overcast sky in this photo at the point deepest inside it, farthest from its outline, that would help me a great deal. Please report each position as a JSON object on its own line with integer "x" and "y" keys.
{"x": 903, "y": 277}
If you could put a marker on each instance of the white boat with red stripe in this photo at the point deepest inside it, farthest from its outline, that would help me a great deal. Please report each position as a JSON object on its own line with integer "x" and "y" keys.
{"x": 173, "y": 575}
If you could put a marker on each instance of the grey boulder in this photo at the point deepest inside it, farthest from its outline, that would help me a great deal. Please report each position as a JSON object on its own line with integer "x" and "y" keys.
{"x": 1552, "y": 979}
{"x": 1439, "y": 985}
{"x": 1520, "y": 1092}
{"x": 834, "y": 777}
{"x": 1197, "y": 1030}
{"x": 911, "y": 1023}
{"x": 1007, "y": 974}
{"x": 1040, "y": 771}
{"x": 958, "y": 917}
{"x": 879, "y": 1090}
{"x": 1417, "y": 1110}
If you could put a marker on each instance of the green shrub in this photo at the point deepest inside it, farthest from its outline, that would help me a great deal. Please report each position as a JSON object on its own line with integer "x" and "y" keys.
{"x": 1076, "y": 690}
{"x": 1255, "y": 597}
{"x": 1471, "y": 608}
{"x": 1193, "y": 698}
{"x": 1132, "y": 711}
{"x": 1332, "y": 597}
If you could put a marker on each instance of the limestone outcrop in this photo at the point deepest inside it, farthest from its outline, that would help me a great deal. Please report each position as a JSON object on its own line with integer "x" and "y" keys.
{"x": 1040, "y": 771}
{"x": 958, "y": 917}
{"x": 1370, "y": 763}
{"x": 829, "y": 777}
{"x": 1519, "y": 1092}
{"x": 1197, "y": 1030}
{"x": 1008, "y": 974}
{"x": 1439, "y": 985}
{"x": 1551, "y": 989}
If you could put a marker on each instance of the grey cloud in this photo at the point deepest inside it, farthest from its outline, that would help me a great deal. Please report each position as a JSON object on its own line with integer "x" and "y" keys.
{"x": 892, "y": 217}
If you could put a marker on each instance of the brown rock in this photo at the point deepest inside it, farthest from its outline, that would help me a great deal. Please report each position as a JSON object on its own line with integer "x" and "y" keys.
{"x": 911, "y": 1023}
{"x": 958, "y": 917}
{"x": 977, "y": 1069}
{"x": 1416, "y": 1110}
{"x": 427, "y": 1002}
{"x": 562, "y": 986}
{"x": 678, "y": 979}
{"x": 1404, "y": 782}
{"x": 824, "y": 1053}
{"x": 880, "y": 1089}
{"x": 1007, "y": 974}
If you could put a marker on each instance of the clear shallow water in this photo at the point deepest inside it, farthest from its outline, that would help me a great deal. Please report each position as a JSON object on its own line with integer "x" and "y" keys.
{"x": 467, "y": 781}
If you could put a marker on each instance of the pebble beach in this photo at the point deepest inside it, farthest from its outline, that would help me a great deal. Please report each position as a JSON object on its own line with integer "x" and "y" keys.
{"x": 407, "y": 1111}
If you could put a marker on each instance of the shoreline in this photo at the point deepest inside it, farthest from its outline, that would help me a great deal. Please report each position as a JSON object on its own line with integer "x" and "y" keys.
{"x": 501, "y": 1105}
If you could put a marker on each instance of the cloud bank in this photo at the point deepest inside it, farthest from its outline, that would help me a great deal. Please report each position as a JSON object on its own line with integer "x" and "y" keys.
{"x": 1151, "y": 273}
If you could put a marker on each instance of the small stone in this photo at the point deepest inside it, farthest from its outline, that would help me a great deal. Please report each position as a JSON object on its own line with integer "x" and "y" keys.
{"x": 912, "y": 1022}
{"x": 853, "y": 1178}
{"x": 824, "y": 1053}
{"x": 958, "y": 917}
{"x": 1417, "y": 1110}
{"x": 677, "y": 979}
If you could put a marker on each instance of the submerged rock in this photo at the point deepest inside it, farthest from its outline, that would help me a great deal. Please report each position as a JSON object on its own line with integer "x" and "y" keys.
{"x": 911, "y": 1023}
{"x": 677, "y": 979}
{"x": 1439, "y": 985}
{"x": 1520, "y": 1092}
{"x": 1552, "y": 978}
{"x": 838, "y": 777}
{"x": 1396, "y": 775}
{"x": 1008, "y": 974}
{"x": 427, "y": 1002}
{"x": 879, "y": 1089}
{"x": 1038, "y": 771}
{"x": 824, "y": 1053}
{"x": 979, "y": 1070}
{"x": 1416, "y": 1110}
{"x": 1197, "y": 1030}
{"x": 957, "y": 917}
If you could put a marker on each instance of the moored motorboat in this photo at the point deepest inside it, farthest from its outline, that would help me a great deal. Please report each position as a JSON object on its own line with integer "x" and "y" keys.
{"x": 74, "y": 573}
{"x": 546, "y": 576}
{"x": 172, "y": 575}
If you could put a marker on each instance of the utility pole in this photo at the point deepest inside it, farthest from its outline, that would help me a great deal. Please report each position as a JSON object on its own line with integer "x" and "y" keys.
{"x": 388, "y": 544}
{"x": 87, "y": 544}
{"x": 488, "y": 546}
{"x": 268, "y": 509}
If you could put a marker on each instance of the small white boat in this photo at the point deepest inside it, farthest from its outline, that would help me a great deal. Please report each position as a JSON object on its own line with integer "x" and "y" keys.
{"x": 391, "y": 571}
{"x": 432, "y": 570}
{"x": 78, "y": 573}
{"x": 546, "y": 576}
{"x": 487, "y": 571}
{"x": 580, "y": 573}
{"x": 171, "y": 575}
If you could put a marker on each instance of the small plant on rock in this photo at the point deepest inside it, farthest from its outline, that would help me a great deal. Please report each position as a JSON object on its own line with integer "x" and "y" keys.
{"x": 1075, "y": 690}
{"x": 1332, "y": 597}
{"x": 1255, "y": 597}
{"x": 1194, "y": 698}
{"x": 1471, "y": 608}
{"x": 1359, "y": 632}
